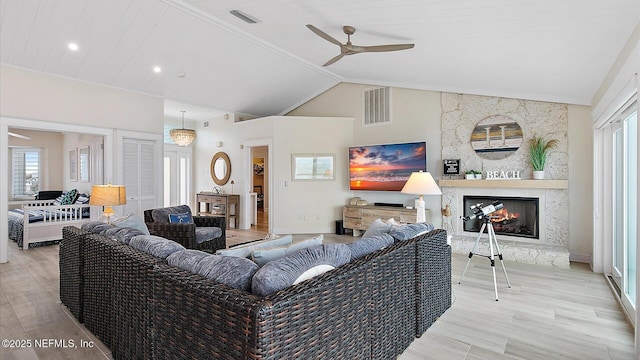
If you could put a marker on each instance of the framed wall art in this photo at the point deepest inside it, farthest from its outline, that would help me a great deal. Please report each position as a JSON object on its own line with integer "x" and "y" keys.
{"x": 73, "y": 165}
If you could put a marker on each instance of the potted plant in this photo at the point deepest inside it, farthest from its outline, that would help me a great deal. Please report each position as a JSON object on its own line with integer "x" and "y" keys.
{"x": 473, "y": 175}
{"x": 538, "y": 150}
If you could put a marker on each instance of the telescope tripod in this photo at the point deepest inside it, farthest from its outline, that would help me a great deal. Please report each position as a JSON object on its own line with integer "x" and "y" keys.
{"x": 486, "y": 223}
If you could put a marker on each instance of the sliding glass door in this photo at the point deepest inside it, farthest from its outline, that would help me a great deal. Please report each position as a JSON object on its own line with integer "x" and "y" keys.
{"x": 625, "y": 207}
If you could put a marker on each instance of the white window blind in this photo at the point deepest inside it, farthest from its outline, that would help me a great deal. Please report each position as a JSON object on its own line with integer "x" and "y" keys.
{"x": 26, "y": 171}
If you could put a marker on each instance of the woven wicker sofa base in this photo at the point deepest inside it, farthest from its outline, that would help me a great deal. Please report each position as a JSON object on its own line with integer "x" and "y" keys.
{"x": 142, "y": 308}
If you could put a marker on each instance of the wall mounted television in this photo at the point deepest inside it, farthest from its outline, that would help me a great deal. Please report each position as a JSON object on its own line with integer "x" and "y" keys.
{"x": 385, "y": 167}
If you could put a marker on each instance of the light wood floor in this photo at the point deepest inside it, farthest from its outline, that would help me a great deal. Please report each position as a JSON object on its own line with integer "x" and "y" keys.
{"x": 547, "y": 314}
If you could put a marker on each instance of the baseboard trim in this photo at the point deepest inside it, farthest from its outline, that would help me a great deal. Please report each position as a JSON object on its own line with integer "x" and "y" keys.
{"x": 581, "y": 258}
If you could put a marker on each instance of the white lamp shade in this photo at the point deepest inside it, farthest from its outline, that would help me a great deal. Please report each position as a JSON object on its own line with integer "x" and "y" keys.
{"x": 421, "y": 183}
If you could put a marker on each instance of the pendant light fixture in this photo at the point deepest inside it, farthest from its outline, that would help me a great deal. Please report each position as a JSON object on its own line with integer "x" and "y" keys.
{"x": 183, "y": 137}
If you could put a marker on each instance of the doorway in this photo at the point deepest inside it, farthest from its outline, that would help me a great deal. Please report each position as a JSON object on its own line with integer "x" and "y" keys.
{"x": 260, "y": 186}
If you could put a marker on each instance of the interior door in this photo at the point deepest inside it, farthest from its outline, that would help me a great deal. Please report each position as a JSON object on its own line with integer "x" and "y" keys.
{"x": 139, "y": 175}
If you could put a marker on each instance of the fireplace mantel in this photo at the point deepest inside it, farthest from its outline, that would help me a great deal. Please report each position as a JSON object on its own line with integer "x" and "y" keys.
{"x": 506, "y": 184}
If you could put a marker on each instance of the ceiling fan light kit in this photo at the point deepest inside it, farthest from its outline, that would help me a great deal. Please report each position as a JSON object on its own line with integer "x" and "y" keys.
{"x": 349, "y": 49}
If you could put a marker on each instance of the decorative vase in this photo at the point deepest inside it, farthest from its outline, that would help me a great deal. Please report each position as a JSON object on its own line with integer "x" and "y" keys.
{"x": 471, "y": 176}
{"x": 478, "y": 176}
{"x": 538, "y": 174}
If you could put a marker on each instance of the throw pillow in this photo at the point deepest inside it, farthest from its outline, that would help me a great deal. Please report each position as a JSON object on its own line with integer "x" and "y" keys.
{"x": 409, "y": 231}
{"x": 155, "y": 245}
{"x": 131, "y": 221}
{"x": 180, "y": 218}
{"x": 246, "y": 250}
{"x": 69, "y": 198}
{"x": 378, "y": 227}
{"x": 298, "y": 266}
{"x": 263, "y": 256}
{"x": 366, "y": 246}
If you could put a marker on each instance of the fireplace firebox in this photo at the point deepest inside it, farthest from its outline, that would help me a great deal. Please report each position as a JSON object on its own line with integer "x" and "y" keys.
{"x": 518, "y": 217}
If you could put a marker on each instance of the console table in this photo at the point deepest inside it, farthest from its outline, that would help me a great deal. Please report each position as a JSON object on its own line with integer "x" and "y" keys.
{"x": 227, "y": 205}
{"x": 359, "y": 217}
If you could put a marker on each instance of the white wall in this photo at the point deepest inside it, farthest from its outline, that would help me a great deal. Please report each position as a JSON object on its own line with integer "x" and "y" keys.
{"x": 415, "y": 117}
{"x": 580, "y": 183}
{"x": 297, "y": 207}
{"x": 32, "y": 95}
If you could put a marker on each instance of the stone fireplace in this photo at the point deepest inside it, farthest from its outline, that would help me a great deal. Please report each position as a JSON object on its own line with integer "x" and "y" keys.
{"x": 543, "y": 240}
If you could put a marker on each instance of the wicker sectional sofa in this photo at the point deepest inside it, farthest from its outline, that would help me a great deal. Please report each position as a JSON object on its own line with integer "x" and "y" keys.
{"x": 143, "y": 308}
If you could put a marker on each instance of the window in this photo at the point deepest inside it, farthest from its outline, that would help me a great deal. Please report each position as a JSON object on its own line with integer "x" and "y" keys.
{"x": 26, "y": 171}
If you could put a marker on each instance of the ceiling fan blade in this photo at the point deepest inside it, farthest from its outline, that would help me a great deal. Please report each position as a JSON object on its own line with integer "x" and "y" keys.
{"x": 19, "y": 136}
{"x": 336, "y": 58}
{"x": 324, "y": 35}
{"x": 380, "y": 48}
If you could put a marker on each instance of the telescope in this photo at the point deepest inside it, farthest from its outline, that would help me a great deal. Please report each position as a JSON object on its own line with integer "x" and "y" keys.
{"x": 479, "y": 211}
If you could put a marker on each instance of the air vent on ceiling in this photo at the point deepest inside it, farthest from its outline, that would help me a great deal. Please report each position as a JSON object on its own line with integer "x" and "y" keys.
{"x": 244, "y": 16}
{"x": 376, "y": 106}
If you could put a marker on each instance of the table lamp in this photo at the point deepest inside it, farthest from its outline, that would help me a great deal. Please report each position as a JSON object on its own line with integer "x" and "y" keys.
{"x": 421, "y": 183}
{"x": 108, "y": 196}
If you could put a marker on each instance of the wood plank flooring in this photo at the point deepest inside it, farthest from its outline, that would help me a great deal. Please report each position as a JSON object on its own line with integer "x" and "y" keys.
{"x": 547, "y": 314}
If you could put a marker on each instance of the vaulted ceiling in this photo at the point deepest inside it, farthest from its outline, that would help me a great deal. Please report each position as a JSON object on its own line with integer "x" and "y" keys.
{"x": 551, "y": 50}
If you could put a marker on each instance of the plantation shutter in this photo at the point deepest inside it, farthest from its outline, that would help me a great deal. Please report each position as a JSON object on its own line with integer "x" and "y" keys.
{"x": 139, "y": 166}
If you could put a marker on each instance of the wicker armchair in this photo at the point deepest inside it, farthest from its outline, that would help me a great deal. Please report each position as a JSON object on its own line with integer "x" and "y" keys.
{"x": 189, "y": 235}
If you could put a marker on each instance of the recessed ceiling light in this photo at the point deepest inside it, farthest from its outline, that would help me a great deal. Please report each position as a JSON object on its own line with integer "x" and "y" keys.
{"x": 73, "y": 46}
{"x": 157, "y": 69}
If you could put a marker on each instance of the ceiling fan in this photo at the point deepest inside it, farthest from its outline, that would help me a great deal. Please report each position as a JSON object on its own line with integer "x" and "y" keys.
{"x": 18, "y": 135}
{"x": 349, "y": 49}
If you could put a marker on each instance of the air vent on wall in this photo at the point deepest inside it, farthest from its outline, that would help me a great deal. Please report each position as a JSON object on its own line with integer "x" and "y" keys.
{"x": 376, "y": 106}
{"x": 244, "y": 17}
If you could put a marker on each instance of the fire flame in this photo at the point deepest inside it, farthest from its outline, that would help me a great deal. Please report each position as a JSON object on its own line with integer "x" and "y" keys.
{"x": 503, "y": 215}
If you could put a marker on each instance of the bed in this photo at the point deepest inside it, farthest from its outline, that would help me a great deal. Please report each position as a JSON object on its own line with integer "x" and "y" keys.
{"x": 45, "y": 220}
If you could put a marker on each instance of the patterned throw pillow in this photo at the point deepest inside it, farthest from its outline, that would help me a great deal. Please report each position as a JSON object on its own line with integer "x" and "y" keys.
{"x": 180, "y": 218}
{"x": 69, "y": 198}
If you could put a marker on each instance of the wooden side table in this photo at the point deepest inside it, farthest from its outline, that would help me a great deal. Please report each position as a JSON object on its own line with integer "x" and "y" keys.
{"x": 226, "y": 205}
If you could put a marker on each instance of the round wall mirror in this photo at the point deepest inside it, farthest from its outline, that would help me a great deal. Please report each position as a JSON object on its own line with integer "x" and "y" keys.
{"x": 220, "y": 168}
{"x": 496, "y": 137}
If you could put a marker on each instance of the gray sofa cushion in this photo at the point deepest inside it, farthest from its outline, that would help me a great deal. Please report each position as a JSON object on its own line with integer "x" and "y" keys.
{"x": 263, "y": 256}
{"x": 408, "y": 231}
{"x": 232, "y": 271}
{"x": 289, "y": 270}
{"x": 207, "y": 233}
{"x": 155, "y": 245}
{"x": 161, "y": 215}
{"x": 123, "y": 234}
{"x": 368, "y": 245}
{"x": 187, "y": 259}
{"x": 246, "y": 250}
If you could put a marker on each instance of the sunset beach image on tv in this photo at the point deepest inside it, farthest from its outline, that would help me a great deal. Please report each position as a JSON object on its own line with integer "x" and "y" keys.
{"x": 385, "y": 167}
